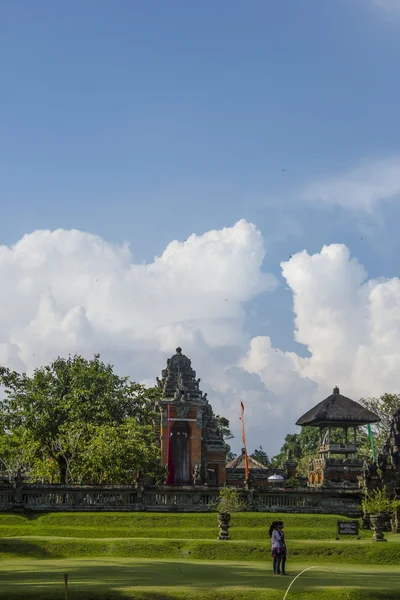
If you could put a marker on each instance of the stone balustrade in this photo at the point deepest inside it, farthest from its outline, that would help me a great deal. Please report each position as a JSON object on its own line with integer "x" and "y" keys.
{"x": 37, "y": 497}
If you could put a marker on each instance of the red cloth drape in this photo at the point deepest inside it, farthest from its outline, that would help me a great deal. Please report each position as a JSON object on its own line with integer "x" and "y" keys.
{"x": 246, "y": 458}
{"x": 170, "y": 460}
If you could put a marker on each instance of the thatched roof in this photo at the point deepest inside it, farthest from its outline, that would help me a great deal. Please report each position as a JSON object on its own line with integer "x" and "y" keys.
{"x": 239, "y": 463}
{"x": 338, "y": 410}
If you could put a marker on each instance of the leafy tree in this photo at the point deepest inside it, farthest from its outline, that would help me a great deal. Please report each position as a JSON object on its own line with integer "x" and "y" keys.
{"x": 228, "y": 501}
{"x": 63, "y": 399}
{"x": 230, "y": 456}
{"x": 124, "y": 453}
{"x": 303, "y": 447}
{"x": 384, "y": 407}
{"x": 309, "y": 440}
{"x": 292, "y": 444}
{"x": 261, "y": 456}
{"x": 13, "y": 455}
{"x": 224, "y": 427}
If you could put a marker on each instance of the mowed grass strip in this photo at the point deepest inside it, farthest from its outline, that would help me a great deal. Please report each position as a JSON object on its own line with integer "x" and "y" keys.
{"x": 299, "y": 551}
{"x": 244, "y": 526}
{"x": 168, "y": 519}
{"x": 110, "y": 579}
{"x": 207, "y": 533}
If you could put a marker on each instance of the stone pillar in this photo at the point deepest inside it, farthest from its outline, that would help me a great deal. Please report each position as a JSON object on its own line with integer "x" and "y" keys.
{"x": 222, "y": 473}
{"x": 18, "y": 490}
{"x": 290, "y": 468}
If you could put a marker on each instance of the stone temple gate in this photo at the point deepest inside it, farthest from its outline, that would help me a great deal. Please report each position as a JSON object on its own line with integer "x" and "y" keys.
{"x": 198, "y": 448}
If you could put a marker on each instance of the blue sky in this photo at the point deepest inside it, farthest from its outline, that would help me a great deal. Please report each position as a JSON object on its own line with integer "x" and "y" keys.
{"x": 176, "y": 117}
{"x": 148, "y": 121}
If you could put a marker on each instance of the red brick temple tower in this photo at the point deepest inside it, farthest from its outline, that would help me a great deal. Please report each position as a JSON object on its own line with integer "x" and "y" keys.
{"x": 198, "y": 448}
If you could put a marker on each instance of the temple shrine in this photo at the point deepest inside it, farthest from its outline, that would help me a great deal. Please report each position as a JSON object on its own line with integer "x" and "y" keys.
{"x": 338, "y": 464}
{"x": 197, "y": 445}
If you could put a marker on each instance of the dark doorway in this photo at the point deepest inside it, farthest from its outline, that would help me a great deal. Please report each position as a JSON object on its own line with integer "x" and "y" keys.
{"x": 180, "y": 436}
{"x": 212, "y": 476}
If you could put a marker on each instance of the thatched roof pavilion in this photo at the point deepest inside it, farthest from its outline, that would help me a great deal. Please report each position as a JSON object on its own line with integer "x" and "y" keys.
{"x": 337, "y": 411}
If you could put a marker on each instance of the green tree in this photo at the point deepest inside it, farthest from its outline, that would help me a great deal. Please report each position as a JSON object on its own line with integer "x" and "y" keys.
{"x": 224, "y": 427}
{"x": 13, "y": 455}
{"x": 69, "y": 394}
{"x": 230, "y": 456}
{"x": 261, "y": 456}
{"x": 302, "y": 447}
{"x": 291, "y": 445}
{"x": 123, "y": 453}
{"x": 384, "y": 407}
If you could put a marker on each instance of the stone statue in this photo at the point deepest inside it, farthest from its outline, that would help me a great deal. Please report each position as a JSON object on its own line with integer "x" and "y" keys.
{"x": 196, "y": 475}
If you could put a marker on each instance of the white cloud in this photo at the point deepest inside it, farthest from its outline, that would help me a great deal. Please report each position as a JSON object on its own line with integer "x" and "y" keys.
{"x": 361, "y": 188}
{"x": 349, "y": 324}
{"x": 391, "y": 7}
{"x": 69, "y": 291}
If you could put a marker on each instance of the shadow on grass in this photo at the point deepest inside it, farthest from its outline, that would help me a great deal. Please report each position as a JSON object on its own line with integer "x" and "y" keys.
{"x": 182, "y": 580}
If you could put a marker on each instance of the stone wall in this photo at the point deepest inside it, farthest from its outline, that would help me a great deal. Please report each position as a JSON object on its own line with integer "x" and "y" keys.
{"x": 35, "y": 497}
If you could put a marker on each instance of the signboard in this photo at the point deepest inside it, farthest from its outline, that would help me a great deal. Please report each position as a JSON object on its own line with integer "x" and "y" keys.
{"x": 347, "y": 528}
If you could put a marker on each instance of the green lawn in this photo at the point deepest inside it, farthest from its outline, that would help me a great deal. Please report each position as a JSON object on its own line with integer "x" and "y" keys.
{"x": 137, "y": 578}
{"x": 176, "y": 556}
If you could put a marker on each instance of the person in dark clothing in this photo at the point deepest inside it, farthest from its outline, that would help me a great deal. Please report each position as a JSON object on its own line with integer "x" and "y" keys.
{"x": 280, "y": 526}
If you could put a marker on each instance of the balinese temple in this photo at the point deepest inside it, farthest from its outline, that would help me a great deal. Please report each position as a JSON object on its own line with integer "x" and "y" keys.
{"x": 198, "y": 448}
{"x": 338, "y": 464}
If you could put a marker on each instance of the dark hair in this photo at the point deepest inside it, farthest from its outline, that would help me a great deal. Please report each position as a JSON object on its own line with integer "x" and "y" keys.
{"x": 273, "y": 526}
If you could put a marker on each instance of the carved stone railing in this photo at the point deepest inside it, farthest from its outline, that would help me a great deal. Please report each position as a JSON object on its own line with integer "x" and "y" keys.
{"x": 94, "y": 498}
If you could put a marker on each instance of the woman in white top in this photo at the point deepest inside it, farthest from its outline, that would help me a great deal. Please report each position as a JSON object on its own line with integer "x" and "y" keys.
{"x": 276, "y": 546}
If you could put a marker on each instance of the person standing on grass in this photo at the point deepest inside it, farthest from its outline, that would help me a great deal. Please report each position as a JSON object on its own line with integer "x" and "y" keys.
{"x": 276, "y": 547}
{"x": 280, "y": 526}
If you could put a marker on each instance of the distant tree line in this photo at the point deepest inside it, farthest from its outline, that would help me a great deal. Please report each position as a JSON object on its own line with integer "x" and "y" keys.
{"x": 77, "y": 421}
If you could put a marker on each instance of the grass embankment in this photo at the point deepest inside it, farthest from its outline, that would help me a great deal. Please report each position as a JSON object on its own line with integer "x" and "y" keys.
{"x": 244, "y": 526}
{"x": 150, "y": 535}
{"x": 116, "y": 556}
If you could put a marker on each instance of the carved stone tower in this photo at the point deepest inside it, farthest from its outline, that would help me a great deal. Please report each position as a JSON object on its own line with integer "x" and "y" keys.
{"x": 198, "y": 448}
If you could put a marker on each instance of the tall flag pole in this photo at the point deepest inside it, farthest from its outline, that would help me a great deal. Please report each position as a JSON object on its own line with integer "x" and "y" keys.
{"x": 371, "y": 439}
{"x": 246, "y": 458}
{"x": 170, "y": 460}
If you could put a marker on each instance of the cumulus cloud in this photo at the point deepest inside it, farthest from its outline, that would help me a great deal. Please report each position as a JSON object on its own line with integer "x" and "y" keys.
{"x": 69, "y": 291}
{"x": 350, "y": 326}
{"x": 362, "y": 188}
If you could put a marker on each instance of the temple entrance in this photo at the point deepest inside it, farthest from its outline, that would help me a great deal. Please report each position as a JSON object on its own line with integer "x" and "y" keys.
{"x": 180, "y": 435}
{"x": 212, "y": 475}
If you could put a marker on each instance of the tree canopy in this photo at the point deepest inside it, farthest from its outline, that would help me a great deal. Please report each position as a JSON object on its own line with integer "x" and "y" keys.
{"x": 67, "y": 418}
{"x": 261, "y": 456}
{"x": 385, "y": 406}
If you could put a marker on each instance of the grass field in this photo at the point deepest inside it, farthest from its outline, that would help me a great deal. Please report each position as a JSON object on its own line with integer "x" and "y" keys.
{"x": 155, "y": 556}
